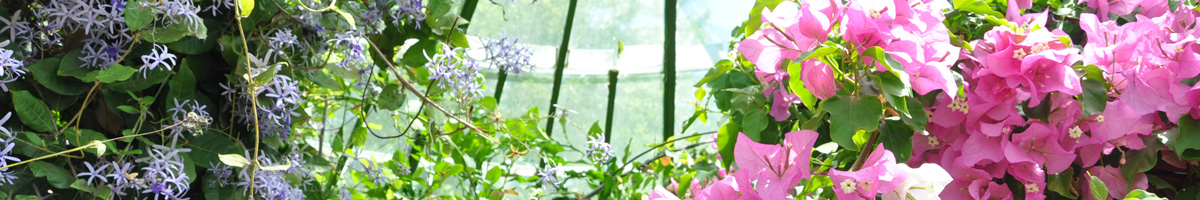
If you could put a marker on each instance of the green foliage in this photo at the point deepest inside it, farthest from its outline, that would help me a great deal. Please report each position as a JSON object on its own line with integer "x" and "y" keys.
{"x": 849, "y": 115}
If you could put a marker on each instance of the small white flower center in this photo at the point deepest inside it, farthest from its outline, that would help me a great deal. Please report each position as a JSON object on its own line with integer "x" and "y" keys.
{"x": 1019, "y": 54}
{"x": 933, "y": 141}
{"x": 1031, "y": 188}
{"x": 1076, "y": 132}
{"x": 1099, "y": 118}
{"x": 848, "y": 186}
{"x": 1038, "y": 48}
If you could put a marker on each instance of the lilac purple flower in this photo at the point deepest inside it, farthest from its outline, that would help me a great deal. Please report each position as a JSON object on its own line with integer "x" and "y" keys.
{"x": 409, "y": 10}
{"x": 269, "y": 184}
{"x": 100, "y": 54}
{"x": 352, "y": 46}
{"x": 6, "y": 158}
{"x": 504, "y": 53}
{"x": 10, "y": 68}
{"x": 547, "y": 174}
{"x": 373, "y": 171}
{"x": 159, "y": 56}
{"x": 222, "y": 172}
{"x": 598, "y": 150}
{"x": 452, "y": 71}
{"x": 282, "y": 39}
{"x": 163, "y": 175}
{"x": 93, "y": 173}
{"x": 120, "y": 171}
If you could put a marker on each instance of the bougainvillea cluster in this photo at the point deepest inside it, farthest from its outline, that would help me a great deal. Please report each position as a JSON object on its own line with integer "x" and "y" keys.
{"x": 1020, "y": 109}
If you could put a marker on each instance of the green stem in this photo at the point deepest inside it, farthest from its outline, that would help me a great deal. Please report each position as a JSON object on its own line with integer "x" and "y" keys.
{"x": 612, "y": 101}
{"x": 88, "y": 146}
{"x": 669, "y": 71}
{"x": 560, "y": 64}
{"x": 865, "y": 152}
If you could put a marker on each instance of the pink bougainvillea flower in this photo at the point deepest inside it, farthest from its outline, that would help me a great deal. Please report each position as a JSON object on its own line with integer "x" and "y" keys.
{"x": 1151, "y": 89}
{"x": 924, "y": 182}
{"x": 776, "y": 169}
{"x": 818, "y": 78}
{"x": 1039, "y": 145}
{"x": 972, "y": 183}
{"x": 732, "y": 187}
{"x": 879, "y": 174}
{"x": 661, "y": 193}
{"x": 794, "y": 31}
{"x": 782, "y": 98}
{"x": 1116, "y": 126}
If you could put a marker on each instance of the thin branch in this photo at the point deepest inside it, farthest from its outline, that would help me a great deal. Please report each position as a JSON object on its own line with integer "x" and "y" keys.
{"x": 409, "y": 87}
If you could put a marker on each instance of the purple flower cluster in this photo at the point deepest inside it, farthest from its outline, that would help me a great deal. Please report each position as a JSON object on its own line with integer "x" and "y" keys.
{"x": 222, "y": 172}
{"x": 452, "y": 71}
{"x": 282, "y": 39}
{"x": 100, "y": 54}
{"x": 278, "y": 102}
{"x": 10, "y": 68}
{"x": 218, "y": 4}
{"x": 163, "y": 176}
{"x": 598, "y": 150}
{"x": 505, "y": 54}
{"x": 95, "y": 18}
{"x": 352, "y": 47}
{"x": 6, "y": 175}
{"x": 269, "y": 184}
{"x": 177, "y": 12}
{"x": 409, "y": 10}
{"x": 373, "y": 171}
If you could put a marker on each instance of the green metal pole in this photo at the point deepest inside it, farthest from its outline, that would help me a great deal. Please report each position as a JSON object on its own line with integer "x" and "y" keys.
{"x": 669, "y": 71}
{"x": 612, "y": 104}
{"x": 560, "y": 64}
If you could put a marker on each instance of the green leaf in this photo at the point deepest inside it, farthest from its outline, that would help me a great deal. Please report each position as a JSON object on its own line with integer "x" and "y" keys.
{"x": 897, "y": 137}
{"x": 823, "y": 51}
{"x": 797, "y": 86}
{"x": 850, "y": 114}
{"x": 138, "y": 83}
{"x": 1141, "y": 160}
{"x": 495, "y": 173}
{"x": 1095, "y": 97}
{"x": 102, "y": 192}
{"x": 726, "y": 138}
{"x": 183, "y": 84}
{"x": 1099, "y": 189}
{"x": 719, "y": 69}
{"x": 70, "y": 65}
{"x": 245, "y": 7}
{"x": 1140, "y": 194}
{"x": 391, "y": 98}
{"x": 976, "y": 6}
{"x": 916, "y": 116}
{"x": 349, "y": 18}
{"x": 206, "y": 148}
{"x": 57, "y": 176}
{"x": 46, "y": 73}
{"x": 1187, "y": 144}
{"x": 1063, "y": 183}
{"x": 754, "y": 123}
{"x": 138, "y": 16}
{"x": 459, "y": 39}
{"x": 415, "y": 55}
{"x": 115, "y": 73}
{"x": 166, "y": 35}
{"x": 33, "y": 112}
{"x": 87, "y": 136}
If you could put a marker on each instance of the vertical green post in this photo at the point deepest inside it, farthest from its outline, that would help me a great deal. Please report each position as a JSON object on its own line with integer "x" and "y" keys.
{"x": 612, "y": 103}
{"x": 560, "y": 64}
{"x": 669, "y": 71}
